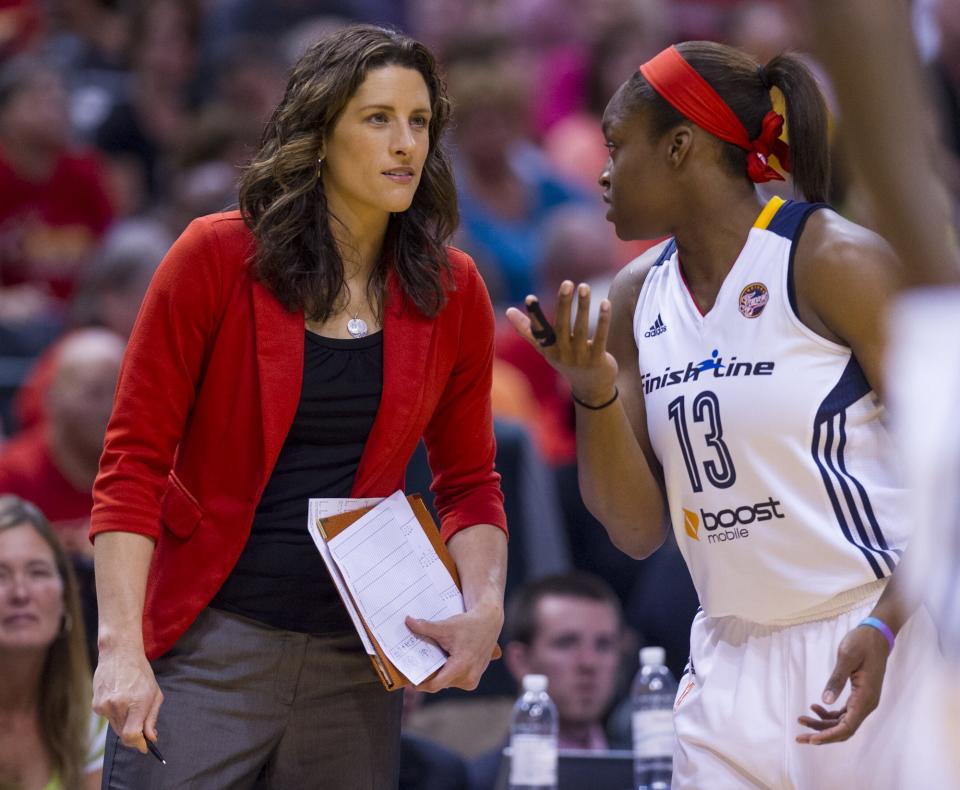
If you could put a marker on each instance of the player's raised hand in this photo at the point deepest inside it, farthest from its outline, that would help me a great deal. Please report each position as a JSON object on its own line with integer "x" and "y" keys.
{"x": 583, "y": 360}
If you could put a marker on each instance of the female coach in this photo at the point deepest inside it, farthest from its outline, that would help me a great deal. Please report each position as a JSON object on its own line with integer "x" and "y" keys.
{"x": 297, "y": 348}
{"x": 738, "y": 401}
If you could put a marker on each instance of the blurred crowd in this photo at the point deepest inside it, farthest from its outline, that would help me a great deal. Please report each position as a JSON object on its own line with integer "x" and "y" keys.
{"x": 122, "y": 120}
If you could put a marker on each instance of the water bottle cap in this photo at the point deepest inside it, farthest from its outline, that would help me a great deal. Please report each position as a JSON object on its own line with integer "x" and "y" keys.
{"x": 652, "y": 656}
{"x": 535, "y": 683}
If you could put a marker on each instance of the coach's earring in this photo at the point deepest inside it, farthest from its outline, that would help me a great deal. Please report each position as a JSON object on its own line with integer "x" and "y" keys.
{"x": 319, "y": 165}
{"x": 66, "y": 625}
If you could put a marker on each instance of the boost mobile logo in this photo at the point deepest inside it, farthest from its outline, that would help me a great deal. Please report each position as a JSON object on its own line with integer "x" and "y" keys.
{"x": 730, "y": 522}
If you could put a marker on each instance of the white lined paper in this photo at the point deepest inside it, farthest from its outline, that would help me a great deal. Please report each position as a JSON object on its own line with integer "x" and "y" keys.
{"x": 393, "y": 571}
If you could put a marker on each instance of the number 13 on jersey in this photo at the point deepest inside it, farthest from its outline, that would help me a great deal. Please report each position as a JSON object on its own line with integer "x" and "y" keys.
{"x": 719, "y": 471}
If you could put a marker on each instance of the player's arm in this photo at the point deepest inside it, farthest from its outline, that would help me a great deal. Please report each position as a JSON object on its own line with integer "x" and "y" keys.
{"x": 619, "y": 476}
{"x": 846, "y": 277}
{"x": 621, "y": 479}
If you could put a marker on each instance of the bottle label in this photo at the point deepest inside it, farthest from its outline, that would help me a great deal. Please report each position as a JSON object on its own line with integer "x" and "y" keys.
{"x": 653, "y": 733}
{"x": 534, "y": 760}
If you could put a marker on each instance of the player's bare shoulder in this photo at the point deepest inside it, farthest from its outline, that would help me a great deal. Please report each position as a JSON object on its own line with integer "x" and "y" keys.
{"x": 832, "y": 245}
{"x": 844, "y": 276}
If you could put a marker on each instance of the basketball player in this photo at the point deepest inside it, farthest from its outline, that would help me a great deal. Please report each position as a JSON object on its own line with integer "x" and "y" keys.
{"x": 738, "y": 399}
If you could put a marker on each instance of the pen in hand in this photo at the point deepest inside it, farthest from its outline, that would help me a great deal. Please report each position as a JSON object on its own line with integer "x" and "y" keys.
{"x": 545, "y": 336}
{"x": 154, "y": 750}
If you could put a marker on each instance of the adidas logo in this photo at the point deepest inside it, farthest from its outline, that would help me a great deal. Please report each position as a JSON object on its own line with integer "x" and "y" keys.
{"x": 658, "y": 328}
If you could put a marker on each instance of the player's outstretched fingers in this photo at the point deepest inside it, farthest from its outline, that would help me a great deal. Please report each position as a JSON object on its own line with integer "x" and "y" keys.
{"x": 845, "y": 666}
{"x": 533, "y": 326}
{"x": 581, "y": 324}
{"x": 825, "y": 718}
{"x": 598, "y": 346}
{"x": 840, "y": 731}
{"x": 562, "y": 317}
{"x": 519, "y": 322}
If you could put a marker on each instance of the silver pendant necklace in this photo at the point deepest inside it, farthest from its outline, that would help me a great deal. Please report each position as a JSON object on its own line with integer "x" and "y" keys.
{"x": 357, "y": 327}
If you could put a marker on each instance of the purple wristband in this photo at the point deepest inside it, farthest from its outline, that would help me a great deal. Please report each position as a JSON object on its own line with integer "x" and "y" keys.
{"x": 882, "y": 627}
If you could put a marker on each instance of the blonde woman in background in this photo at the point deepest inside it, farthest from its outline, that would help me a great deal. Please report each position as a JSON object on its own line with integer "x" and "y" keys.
{"x": 49, "y": 739}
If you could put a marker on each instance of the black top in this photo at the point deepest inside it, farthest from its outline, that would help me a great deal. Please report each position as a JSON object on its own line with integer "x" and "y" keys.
{"x": 280, "y": 579}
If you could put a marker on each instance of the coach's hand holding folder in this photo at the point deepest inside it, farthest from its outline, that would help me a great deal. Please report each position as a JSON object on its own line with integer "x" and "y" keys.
{"x": 393, "y": 571}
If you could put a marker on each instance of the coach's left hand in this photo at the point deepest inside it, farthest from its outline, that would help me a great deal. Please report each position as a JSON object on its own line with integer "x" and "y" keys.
{"x": 861, "y": 658}
{"x": 468, "y": 638}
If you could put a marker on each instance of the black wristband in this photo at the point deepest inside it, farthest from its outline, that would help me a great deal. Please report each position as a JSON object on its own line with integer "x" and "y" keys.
{"x": 616, "y": 394}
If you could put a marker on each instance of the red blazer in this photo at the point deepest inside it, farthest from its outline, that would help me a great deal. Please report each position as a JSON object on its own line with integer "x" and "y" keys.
{"x": 208, "y": 390}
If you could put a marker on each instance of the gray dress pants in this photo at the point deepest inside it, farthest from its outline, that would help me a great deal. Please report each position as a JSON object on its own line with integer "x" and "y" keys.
{"x": 249, "y": 706}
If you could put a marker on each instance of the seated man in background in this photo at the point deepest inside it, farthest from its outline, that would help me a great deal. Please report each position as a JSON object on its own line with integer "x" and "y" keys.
{"x": 568, "y": 627}
{"x": 53, "y": 464}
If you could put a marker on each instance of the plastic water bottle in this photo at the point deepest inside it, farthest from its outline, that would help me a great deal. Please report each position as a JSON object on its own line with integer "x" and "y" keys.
{"x": 652, "y": 695}
{"x": 533, "y": 738}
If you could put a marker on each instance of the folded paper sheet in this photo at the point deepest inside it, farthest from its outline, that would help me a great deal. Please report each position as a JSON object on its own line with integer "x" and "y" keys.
{"x": 392, "y": 571}
{"x": 324, "y": 508}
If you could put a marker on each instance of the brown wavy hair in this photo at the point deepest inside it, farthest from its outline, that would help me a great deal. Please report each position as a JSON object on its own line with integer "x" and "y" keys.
{"x": 745, "y": 86}
{"x": 283, "y": 202}
{"x": 65, "y": 693}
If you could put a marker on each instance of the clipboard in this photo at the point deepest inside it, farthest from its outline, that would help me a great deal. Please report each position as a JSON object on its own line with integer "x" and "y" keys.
{"x": 391, "y": 678}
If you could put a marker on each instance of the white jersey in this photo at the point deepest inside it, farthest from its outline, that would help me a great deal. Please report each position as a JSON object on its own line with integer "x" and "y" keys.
{"x": 777, "y": 467}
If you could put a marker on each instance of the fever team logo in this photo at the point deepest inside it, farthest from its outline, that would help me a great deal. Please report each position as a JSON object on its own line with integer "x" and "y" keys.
{"x": 753, "y": 299}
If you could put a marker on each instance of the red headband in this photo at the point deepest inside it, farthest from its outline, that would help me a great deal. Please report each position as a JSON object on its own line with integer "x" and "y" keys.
{"x": 691, "y": 95}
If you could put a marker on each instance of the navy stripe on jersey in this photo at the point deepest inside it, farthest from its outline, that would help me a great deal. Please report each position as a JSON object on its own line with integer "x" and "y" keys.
{"x": 857, "y": 504}
{"x": 851, "y": 504}
{"x": 878, "y": 536}
{"x": 792, "y": 228}
{"x": 791, "y": 217}
{"x": 852, "y": 386}
{"x": 667, "y": 252}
